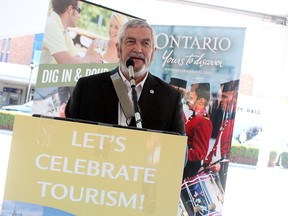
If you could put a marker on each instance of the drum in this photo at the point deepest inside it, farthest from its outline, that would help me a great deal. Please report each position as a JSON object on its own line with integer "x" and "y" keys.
{"x": 201, "y": 195}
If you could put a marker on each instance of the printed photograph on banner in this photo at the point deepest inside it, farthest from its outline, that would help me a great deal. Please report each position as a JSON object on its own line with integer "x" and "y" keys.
{"x": 204, "y": 64}
{"x": 15, "y": 208}
{"x": 80, "y": 36}
{"x": 82, "y": 29}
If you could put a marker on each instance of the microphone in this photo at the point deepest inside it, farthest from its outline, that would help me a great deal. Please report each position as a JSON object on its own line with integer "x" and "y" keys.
{"x": 137, "y": 115}
{"x": 130, "y": 66}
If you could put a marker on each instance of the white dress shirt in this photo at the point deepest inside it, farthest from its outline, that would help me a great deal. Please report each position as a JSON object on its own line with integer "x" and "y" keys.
{"x": 122, "y": 119}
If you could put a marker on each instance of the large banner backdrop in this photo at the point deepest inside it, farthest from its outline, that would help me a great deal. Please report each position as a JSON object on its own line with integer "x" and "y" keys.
{"x": 202, "y": 62}
{"x": 55, "y": 80}
{"x": 205, "y": 60}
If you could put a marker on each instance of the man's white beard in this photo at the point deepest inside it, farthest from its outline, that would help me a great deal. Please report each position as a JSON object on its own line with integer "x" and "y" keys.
{"x": 138, "y": 73}
{"x": 142, "y": 71}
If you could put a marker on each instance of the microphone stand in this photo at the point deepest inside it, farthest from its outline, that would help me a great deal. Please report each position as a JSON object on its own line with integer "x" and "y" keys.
{"x": 137, "y": 115}
{"x": 138, "y": 119}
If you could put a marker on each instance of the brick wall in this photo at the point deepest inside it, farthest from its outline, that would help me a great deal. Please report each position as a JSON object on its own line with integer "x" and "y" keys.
{"x": 20, "y": 51}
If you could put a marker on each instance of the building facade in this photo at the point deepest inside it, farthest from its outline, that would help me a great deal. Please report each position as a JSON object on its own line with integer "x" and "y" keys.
{"x": 19, "y": 60}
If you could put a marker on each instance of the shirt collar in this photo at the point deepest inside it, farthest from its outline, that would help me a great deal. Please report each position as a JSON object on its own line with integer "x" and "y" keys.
{"x": 58, "y": 20}
{"x": 127, "y": 82}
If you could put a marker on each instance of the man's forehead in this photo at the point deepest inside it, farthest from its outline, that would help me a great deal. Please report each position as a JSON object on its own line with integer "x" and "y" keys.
{"x": 139, "y": 32}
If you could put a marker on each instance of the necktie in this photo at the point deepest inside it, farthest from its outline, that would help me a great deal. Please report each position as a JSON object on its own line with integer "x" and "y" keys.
{"x": 132, "y": 122}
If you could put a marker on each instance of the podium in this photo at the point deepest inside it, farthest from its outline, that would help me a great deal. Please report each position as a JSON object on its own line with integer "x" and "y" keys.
{"x": 61, "y": 167}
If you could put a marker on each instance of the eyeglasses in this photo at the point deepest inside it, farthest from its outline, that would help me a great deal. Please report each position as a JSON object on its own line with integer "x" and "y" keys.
{"x": 78, "y": 9}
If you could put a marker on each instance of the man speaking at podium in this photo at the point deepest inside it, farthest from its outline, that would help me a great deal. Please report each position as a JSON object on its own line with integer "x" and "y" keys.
{"x": 95, "y": 98}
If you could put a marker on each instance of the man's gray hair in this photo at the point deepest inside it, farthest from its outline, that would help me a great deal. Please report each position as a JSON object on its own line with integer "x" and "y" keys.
{"x": 133, "y": 23}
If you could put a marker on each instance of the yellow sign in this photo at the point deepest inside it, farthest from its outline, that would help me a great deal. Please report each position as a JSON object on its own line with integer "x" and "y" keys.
{"x": 84, "y": 169}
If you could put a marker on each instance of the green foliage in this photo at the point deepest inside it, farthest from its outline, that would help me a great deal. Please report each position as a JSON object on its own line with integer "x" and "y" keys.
{"x": 284, "y": 159}
{"x": 95, "y": 19}
{"x": 272, "y": 159}
{"x": 273, "y": 155}
{"x": 244, "y": 154}
{"x": 6, "y": 120}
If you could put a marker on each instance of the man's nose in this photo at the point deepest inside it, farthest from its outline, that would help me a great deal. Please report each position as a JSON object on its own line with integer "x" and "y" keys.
{"x": 138, "y": 48}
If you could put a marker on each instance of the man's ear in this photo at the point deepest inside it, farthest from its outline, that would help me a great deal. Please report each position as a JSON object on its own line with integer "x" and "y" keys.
{"x": 70, "y": 9}
{"x": 153, "y": 52}
{"x": 118, "y": 50}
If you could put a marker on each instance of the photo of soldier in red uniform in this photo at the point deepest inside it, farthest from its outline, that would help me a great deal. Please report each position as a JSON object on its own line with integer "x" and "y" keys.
{"x": 198, "y": 128}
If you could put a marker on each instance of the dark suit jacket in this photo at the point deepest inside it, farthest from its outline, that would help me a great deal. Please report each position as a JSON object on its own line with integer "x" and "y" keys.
{"x": 94, "y": 99}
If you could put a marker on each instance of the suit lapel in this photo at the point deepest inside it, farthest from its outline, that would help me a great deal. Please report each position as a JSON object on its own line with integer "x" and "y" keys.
{"x": 148, "y": 95}
{"x": 110, "y": 101}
